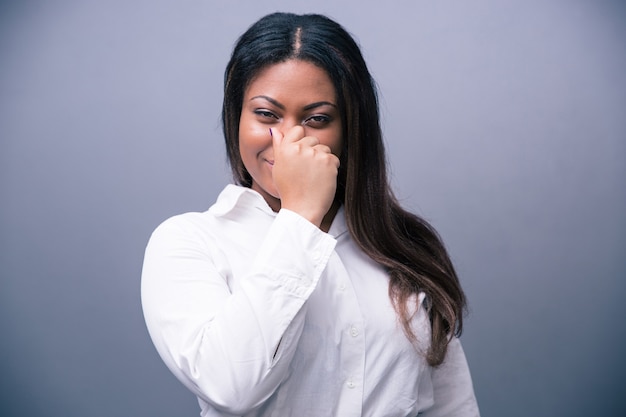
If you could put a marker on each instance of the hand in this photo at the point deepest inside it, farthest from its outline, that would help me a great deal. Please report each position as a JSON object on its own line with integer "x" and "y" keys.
{"x": 304, "y": 173}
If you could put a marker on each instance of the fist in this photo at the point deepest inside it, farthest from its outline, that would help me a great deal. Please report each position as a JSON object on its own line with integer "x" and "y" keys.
{"x": 304, "y": 173}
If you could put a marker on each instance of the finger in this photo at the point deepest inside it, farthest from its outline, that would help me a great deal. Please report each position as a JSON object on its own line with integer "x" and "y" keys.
{"x": 294, "y": 134}
{"x": 309, "y": 141}
{"x": 322, "y": 148}
{"x": 277, "y": 137}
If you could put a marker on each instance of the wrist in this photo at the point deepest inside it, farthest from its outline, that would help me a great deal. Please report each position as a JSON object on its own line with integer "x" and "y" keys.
{"x": 312, "y": 216}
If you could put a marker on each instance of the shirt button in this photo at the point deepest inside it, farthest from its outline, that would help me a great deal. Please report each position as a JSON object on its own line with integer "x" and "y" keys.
{"x": 342, "y": 287}
{"x": 354, "y": 331}
{"x": 350, "y": 384}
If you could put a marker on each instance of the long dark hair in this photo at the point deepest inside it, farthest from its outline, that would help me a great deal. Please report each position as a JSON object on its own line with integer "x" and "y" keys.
{"x": 406, "y": 245}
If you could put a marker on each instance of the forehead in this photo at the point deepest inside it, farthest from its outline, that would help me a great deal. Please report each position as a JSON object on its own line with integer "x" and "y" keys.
{"x": 292, "y": 77}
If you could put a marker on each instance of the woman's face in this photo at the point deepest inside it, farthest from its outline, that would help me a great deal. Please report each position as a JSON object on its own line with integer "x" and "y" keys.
{"x": 281, "y": 96}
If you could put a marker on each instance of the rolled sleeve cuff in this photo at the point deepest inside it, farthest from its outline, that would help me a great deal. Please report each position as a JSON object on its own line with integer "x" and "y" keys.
{"x": 295, "y": 252}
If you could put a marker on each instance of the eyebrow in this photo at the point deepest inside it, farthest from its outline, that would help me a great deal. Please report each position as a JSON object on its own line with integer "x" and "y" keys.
{"x": 307, "y": 107}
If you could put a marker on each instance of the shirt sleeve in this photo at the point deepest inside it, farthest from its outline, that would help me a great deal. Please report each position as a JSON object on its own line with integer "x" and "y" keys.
{"x": 453, "y": 391}
{"x": 232, "y": 348}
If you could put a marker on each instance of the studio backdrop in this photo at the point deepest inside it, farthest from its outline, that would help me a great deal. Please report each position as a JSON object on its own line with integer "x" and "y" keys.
{"x": 505, "y": 123}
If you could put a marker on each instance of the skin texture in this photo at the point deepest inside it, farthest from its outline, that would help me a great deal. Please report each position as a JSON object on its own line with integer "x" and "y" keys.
{"x": 295, "y": 166}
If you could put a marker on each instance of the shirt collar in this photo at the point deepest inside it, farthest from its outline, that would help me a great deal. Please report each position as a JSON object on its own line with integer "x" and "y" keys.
{"x": 236, "y": 195}
{"x": 233, "y": 196}
{"x": 338, "y": 227}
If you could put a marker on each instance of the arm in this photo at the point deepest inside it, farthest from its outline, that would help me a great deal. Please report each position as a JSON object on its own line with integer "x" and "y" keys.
{"x": 232, "y": 349}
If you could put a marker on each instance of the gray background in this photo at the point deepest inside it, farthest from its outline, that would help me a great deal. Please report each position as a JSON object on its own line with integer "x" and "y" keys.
{"x": 506, "y": 128}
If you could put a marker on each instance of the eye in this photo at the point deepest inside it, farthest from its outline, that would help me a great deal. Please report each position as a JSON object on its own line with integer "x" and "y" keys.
{"x": 265, "y": 114}
{"x": 317, "y": 120}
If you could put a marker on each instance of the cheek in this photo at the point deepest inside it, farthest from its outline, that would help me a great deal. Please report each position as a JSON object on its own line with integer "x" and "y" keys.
{"x": 338, "y": 147}
{"x": 334, "y": 141}
{"x": 253, "y": 142}
{"x": 252, "y": 137}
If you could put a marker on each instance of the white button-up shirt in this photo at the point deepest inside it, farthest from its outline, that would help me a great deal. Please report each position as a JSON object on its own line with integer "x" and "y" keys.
{"x": 263, "y": 314}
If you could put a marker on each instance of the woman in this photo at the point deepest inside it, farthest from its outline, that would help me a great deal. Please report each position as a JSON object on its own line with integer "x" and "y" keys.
{"x": 306, "y": 289}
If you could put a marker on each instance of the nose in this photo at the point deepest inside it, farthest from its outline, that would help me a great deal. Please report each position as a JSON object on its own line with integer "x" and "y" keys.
{"x": 288, "y": 123}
